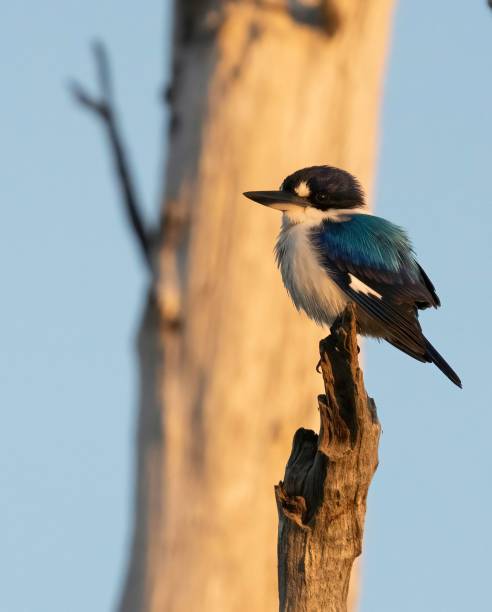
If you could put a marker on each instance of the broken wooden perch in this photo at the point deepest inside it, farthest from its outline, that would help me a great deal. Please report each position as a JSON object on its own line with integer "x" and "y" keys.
{"x": 322, "y": 499}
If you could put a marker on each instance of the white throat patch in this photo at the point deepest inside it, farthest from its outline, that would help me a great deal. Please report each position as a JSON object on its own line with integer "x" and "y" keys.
{"x": 294, "y": 213}
{"x": 304, "y": 214}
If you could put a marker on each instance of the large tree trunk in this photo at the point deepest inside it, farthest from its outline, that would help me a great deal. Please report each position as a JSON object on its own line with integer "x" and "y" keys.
{"x": 227, "y": 365}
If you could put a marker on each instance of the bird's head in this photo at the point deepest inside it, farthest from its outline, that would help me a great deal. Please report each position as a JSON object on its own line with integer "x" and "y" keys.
{"x": 315, "y": 190}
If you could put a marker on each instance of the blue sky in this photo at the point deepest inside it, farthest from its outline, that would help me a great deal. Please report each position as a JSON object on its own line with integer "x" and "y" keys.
{"x": 73, "y": 287}
{"x": 428, "y": 533}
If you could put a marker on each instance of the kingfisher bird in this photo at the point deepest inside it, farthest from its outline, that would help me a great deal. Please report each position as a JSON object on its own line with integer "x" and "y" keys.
{"x": 331, "y": 251}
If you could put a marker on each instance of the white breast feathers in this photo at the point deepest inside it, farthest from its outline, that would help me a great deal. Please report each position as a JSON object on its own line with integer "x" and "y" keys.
{"x": 307, "y": 283}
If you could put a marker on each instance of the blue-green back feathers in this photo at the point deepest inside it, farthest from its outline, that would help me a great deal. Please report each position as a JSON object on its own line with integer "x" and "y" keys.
{"x": 377, "y": 252}
{"x": 375, "y": 244}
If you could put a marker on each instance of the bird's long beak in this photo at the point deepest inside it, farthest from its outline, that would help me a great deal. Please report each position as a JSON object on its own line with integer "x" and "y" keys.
{"x": 280, "y": 200}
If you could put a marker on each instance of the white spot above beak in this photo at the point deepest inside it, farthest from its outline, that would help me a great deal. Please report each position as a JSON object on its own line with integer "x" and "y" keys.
{"x": 303, "y": 190}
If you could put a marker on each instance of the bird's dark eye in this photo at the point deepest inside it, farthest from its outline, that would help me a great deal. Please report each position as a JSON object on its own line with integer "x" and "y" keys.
{"x": 321, "y": 196}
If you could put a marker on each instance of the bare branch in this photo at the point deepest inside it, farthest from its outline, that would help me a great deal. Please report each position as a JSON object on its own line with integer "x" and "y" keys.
{"x": 322, "y": 499}
{"x": 103, "y": 72}
{"x": 104, "y": 109}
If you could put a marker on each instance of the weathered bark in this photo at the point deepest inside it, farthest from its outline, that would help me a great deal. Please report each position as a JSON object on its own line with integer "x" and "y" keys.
{"x": 322, "y": 499}
{"x": 258, "y": 91}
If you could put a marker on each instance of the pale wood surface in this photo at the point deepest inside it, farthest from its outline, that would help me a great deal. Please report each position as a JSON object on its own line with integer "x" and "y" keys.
{"x": 322, "y": 499}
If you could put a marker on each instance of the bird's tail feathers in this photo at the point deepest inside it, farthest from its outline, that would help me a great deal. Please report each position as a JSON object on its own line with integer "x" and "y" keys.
{"x": 442, "y": 364}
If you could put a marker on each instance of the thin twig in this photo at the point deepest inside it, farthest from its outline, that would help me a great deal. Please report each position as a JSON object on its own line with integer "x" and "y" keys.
{"x": 104, "y": 109}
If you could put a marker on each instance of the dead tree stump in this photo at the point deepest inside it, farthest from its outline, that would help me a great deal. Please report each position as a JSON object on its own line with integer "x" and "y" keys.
{"x": 322, "y": 499}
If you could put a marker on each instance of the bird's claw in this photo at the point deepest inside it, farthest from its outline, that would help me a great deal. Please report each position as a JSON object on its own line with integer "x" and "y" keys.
{"x": 318, "y": 367}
